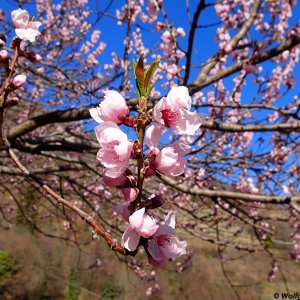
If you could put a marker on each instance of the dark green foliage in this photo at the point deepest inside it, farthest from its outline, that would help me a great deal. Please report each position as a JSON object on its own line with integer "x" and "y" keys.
{"x": 73, "y": 286}
{"x": 8, "y": 265}
{"x": 8, "y": 268}
{"x": 111, "y": 291}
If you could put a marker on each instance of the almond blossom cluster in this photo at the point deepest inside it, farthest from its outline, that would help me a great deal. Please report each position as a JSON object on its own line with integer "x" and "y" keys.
{"x": 116, "y": 151}
{"x": 26, "y": 30}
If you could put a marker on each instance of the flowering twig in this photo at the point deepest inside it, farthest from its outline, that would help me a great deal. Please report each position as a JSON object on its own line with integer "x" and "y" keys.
{"x": 83, "y": 215}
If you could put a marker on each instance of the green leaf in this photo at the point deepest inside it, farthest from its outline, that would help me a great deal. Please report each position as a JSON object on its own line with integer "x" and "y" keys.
{"x": 150, "y": 88}
{"x": 133, "y": 67}
{"x": 139, "y": 74}
{"x": 150, "y": 73}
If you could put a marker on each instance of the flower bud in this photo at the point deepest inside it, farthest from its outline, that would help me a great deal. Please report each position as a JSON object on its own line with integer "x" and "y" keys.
{"x": 149, "y": 171}
{"x": 115, "y": 182}
{"x": 127, "y": 120}
{"x": 129, "y": 193}
{"x": 34, "y": 57}
{"x": 18, "y": 81}
{"x": 3, "y": 56}
{"x": 155, "y": 202}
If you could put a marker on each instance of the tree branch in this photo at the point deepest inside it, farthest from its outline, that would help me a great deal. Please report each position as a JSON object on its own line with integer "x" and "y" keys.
{"x": 267, "y": 199}
{"x": 84, "y": 216}
{"x": 200, "y": 7}
{"x": 203, "y": 81}
{"x": 232, "y": 43}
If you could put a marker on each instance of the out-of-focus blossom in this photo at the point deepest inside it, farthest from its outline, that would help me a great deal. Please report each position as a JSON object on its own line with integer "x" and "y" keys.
{"x": 180, "y": 31}
{"x": 25, "y": 29}
{"x": 3, "y": 56}
{"x": 34, "y": 58}
{"x": 18, "y": 81}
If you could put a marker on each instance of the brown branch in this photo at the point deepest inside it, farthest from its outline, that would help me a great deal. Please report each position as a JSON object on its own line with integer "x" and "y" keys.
{"x": 84, "y": 216}
{"x": 202, "y": 77}
{"x": 50, "y": 170}
{"x": 56, "y": 116}
{"x": 83, "y": 113}
{"x": 127, "y": 46}
{"x": 267, "y": 199}
{"x": 203, "y": 81}
{"x": 200, "y": 7}
{"x": 231, "y": 127}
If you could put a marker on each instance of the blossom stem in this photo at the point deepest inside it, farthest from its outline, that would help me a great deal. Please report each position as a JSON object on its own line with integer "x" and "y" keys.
{"x": 7, "y": 80}
{"x": 6, "y": 91}
{"x": 140, "y": 162}
{"x": 141, "y": 126}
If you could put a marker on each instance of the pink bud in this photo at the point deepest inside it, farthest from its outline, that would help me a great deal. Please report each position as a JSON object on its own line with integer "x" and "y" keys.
{"x": 3, "y": 56}
{"x": 34, "y": 58}
{"x": 149, "y": 171}
{"x": 155, "y": 202}
{"x": 120, "y": 181}
{"x": 130, "y": 193}
{"x": 127, "y": 120}
{"x": 18, "y": 81}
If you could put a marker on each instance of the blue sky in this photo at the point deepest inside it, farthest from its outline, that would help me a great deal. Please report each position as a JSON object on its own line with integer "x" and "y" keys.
{"x": 204, "y": 45}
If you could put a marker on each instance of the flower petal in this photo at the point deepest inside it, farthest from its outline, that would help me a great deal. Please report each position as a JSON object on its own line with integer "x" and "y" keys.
{"x": 154, "y": 251}
{"x": 179, "y": 97}
{"x": 153, "y": 134}
{"x": 173, "y": 247}
{"x": 136, "y": 218}
{"x": 94, "y": 112}
{"x": 130, "y": 239}
{"x": 187, "y": 122}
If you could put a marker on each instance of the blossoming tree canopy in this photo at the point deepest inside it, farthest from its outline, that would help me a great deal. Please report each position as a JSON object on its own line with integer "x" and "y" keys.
{"x": 131, "y": 112}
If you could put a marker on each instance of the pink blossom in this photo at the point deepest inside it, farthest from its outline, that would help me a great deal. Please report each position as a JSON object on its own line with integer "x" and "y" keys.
{"x": 180, "y": 31}
{"x": 25, "y": 29}
{"x": 170, "y": 161}
{"x": 140, "y": 224}
{"x": 164, "y": 245}
{"x": 173, "y": 112}
{"x": 113, "y": 106}
{"x": 18, "y": 81}
{"x": 153, "y": 9}
{"x": 115, "y": 148}
{"x": 159, "y": 26}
